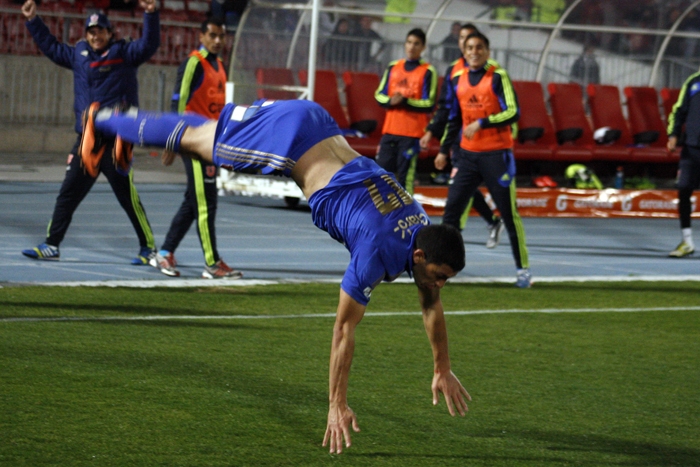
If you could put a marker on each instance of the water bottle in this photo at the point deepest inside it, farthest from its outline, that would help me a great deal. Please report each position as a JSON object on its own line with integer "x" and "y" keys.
{"x": 620, "y": 178}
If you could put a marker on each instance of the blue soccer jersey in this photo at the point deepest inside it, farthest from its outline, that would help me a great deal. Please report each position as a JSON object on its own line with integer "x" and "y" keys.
{"x": 366, "y": 209}
{"x": 269, "y": 137}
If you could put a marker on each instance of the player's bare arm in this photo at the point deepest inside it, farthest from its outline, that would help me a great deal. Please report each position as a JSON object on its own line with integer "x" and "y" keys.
{"x": 340, "y": 415}
{"x": 444, "y": 381}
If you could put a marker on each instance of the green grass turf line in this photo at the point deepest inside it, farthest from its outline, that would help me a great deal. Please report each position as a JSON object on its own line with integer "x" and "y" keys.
{"x": 548, "y": 389}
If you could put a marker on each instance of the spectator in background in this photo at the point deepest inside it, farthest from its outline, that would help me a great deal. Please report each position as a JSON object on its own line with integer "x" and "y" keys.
{"x": 123, "y": 5}
{"x": 407, "y": 90}
{"x": 104, "y": 70}
{"x": 585, "y": 69}
{"x": 228, "y": 10}
{"x": 326, "y": 20}
{"x": 340, "y": 51}
{"x": 369, "y": 46}
{"x": 450, "y": 44}
{"x": 201, "y": 89}
{"x": 547, "y": 11}
{"x": 509, "y": 10}
{"x": 399, "y": 6}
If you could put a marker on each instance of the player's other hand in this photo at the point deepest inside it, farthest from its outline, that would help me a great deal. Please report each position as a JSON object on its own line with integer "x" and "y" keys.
{"x": 339, "y": 421}
{"x": 455, "y": 394}
{"x": 671, "y": 144}
{"x": 425, "y": 140}
{"x": 440, "y": 161}
{"x": 29, "y": 9}
{"x": 148, "y": 5}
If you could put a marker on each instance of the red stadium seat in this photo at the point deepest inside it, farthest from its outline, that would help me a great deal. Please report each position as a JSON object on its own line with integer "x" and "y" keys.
{"x": 533, "y": 115}
{"x": 644, "y": 114}
{"x": 359, "y": 92}
{"x": 606, "y": 111}
{"x": 568, "y": 111}
{"x": 326, "y": 94}
{"x": 275, "y": 77}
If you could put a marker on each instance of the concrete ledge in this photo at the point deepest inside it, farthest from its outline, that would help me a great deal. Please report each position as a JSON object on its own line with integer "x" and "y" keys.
{"x": 34, "y": 138}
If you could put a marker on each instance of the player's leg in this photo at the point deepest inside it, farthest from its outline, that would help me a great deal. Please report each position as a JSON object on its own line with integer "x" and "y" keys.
{"x": 688, "y": 179}
{"x": 465, "y": 180}
{"x": 189, "y": 133}
{"x": 180, "y": 224}
{"x": 76, "y": 185}
{"x": 128, "y": 197}
{"x": 493, "y": 167}
{"x": 407, "y": 151}
{"x": 387, "y": 154}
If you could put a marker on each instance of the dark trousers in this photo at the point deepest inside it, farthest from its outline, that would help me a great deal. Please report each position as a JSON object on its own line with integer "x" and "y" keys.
{"x": 398, "y": 155}
{"x": 688, "y": 181}
{"x": 478, "y": 202}
{"x": 199, "y": 203}
{"x": 78, "y": 183}
{"x": 489, "y": 168}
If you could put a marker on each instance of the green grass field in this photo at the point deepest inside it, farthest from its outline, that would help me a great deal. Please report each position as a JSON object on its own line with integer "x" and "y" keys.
{"x": 229, "y": 389}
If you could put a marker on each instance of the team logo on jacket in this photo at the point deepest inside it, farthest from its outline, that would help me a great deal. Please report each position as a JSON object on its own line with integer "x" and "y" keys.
{"x": 473, "y": 101}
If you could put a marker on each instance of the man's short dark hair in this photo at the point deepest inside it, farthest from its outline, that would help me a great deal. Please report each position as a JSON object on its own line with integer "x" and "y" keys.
{"x": 479, "y": 35}
{"x": 470, "y": 26}
{"x": 417, "y": 32}
{"x": 214, "y": 21}
{"x": 442, "y": 244}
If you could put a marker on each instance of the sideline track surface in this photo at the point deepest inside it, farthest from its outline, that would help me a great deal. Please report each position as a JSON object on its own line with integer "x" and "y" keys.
{"x": 271, "y": 243}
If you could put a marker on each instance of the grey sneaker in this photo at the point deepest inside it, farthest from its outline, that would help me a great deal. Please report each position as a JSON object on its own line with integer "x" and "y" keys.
{"x": 166, "y": 264}
{"x": 221, "y": 270}
{"x": 495, "y": 231}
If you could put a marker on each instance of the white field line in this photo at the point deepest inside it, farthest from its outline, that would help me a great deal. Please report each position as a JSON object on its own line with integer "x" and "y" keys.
{"x": 176, "y": 283}
{"x": 332, "y": 315}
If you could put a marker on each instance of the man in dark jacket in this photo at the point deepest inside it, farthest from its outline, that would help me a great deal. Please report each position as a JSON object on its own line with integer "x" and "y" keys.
{"x": 104, "y": 70}
{"x": 685, "y": 117}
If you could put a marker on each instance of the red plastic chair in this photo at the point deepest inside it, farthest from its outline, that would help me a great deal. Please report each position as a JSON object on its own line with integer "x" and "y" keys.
{"x": 359, "y": 92}
{"x": 606, "y": 111}
{"x": 644, "y": 113}
{"x": 533, "y": 114}
{"x": 275, "y": 77}
{"x": 326, "y": 94}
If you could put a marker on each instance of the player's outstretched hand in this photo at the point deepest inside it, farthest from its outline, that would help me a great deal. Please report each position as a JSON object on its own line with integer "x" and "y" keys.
{"x": 339, "y": 421}
{"x": 454, "y": 392}
{"x": 29, "y": 9}
{"x": 149, "y": 5}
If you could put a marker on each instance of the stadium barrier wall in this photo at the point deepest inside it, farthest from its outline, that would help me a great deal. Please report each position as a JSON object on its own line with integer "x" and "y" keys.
{"x": 565, "y": 202}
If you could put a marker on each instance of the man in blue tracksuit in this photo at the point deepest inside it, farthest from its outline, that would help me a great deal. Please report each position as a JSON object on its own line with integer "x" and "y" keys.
{"x": 104, "y": 70}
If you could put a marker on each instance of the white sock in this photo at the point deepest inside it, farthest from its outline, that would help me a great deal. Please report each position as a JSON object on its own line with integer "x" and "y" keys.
{"x": 688, "y": 237}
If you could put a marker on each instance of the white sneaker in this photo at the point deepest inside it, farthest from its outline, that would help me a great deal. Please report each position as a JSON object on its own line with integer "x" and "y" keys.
{"x": 495, "y": 231}
{"x": 523, "y": 279}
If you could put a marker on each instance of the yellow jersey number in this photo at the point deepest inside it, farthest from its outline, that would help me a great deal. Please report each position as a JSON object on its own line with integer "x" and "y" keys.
{"x": 393, "y": 200}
